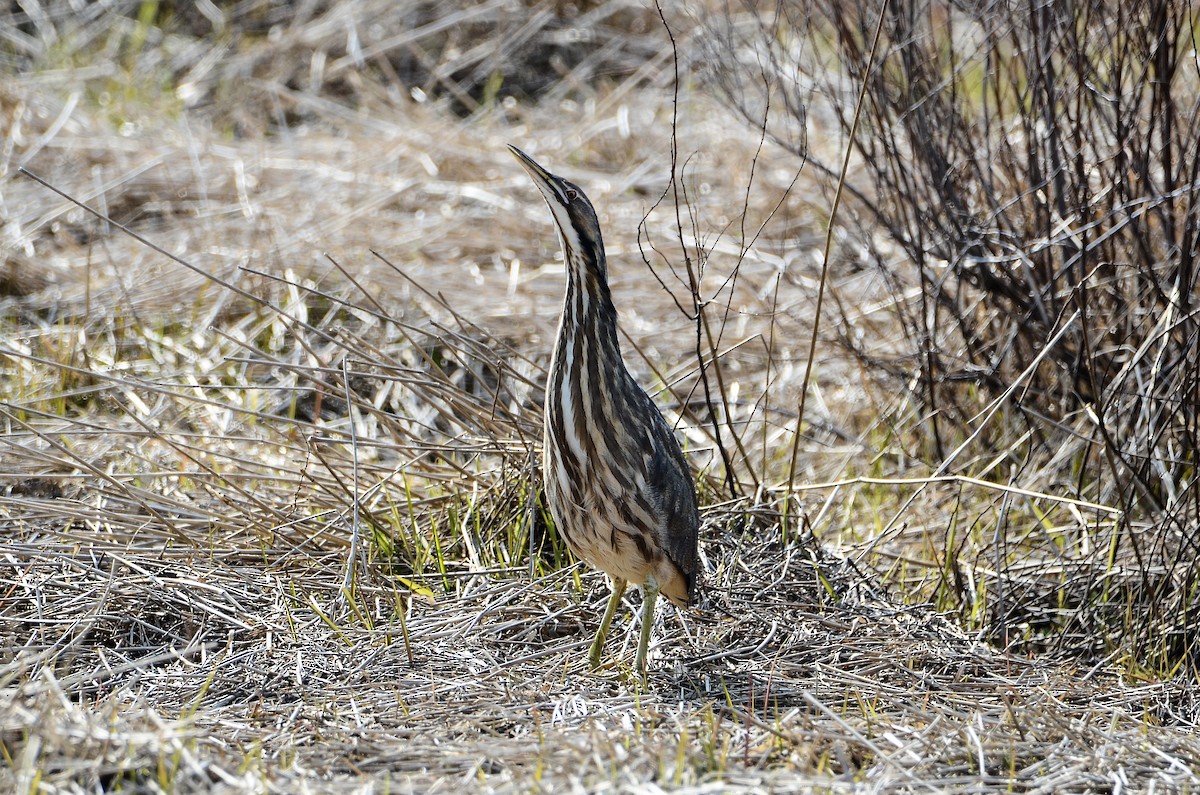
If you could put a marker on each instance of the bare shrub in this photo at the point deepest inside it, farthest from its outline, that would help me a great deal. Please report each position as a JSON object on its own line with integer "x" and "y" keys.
{"x": 1037, "y": 165}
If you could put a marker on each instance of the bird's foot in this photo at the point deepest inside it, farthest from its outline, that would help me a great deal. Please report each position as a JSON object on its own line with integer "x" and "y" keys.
{"x": 594, "y": 653}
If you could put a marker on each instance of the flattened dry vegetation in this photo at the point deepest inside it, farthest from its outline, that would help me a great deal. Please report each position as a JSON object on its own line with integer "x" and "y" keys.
{"x": 223, "y": 674}
{"x": 268, "y": 479}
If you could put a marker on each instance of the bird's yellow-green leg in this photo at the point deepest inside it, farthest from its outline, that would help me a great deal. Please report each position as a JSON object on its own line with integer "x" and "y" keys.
{"x": 618, "y": 590}
{"x": 650, "y": 591}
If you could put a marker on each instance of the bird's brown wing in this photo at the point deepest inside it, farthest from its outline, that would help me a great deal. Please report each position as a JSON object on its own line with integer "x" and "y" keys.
{"x": 672, "y": 489}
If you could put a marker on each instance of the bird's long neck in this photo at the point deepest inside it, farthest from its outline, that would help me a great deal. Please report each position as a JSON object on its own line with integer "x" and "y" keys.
{"x": 588, "y": 332}
{"x": 589, "y": 316}
{"x": 582, "y": 396}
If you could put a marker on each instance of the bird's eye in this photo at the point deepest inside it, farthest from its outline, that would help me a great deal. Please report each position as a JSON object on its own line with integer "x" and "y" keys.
{"x": 571, "y": 195}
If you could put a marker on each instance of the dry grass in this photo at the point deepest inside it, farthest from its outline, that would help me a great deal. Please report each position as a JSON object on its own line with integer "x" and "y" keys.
{"x": 270, "y": 520}
{"x": 187, "y": 675}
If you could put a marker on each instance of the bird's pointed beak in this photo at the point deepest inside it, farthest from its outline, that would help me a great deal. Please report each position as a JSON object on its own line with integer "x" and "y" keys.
{"x": 547, "y": 183}
{"x": 529, "y": 164}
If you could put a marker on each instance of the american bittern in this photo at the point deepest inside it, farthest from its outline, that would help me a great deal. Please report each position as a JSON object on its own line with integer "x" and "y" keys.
{"x": 616, "y": 482}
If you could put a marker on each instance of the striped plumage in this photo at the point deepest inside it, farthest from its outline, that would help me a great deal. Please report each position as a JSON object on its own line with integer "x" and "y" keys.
{"x": 616, "y": 481}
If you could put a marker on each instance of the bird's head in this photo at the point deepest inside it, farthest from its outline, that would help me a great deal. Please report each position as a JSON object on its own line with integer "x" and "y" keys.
{"x": 578, "y": 227}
